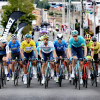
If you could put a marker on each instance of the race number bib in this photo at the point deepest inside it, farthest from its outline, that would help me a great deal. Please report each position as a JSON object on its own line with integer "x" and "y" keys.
{"x": 28, "y": 48}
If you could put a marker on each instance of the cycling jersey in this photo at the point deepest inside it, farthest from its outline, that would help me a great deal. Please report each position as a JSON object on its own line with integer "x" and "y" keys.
{"x": 28, "y": 47}
{"x": 97, "y": 48}
{"x": 15, "y": 46}
{"x": 79, "y": 43}
{"x": 4, "y": 50}
{"x": 46, "y": 49}
{"x": 90, "y": 45}
{"x": 60, "y": 46}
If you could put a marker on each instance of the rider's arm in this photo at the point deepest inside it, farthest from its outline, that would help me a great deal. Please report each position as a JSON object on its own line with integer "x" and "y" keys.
{"x": 92, "y": 50}
{"x": 54, "y": 53}
{"x": 8, "y": 52}
{"x": 40, "y": 52}
{"x": 69, "y": 48}
{"x": 99, "y": 51}
{"x": 34, "y": 46}
{"x": 85, "y": 48}
{"x": 36, "y": 52}
{"x": 21, "y": 50}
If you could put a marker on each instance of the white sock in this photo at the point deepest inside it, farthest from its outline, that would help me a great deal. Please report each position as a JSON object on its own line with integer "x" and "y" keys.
{"x": 81, "y": 75}
{"x": 12, "y": 73}
{"x": 43, "y": 76}
{"x": 25, "y": 75}
{"x": 73, "y": 70}
{"x": 6, "y": 71}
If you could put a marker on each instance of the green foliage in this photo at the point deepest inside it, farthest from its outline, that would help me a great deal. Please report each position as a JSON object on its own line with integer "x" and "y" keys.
{"x": 54, "y": 13}
{"x": 42, "y": 4}
{"x": 25, "y": 6}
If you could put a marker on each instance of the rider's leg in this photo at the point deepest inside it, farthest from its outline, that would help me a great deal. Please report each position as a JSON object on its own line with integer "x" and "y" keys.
{"x": 35, "y": 69}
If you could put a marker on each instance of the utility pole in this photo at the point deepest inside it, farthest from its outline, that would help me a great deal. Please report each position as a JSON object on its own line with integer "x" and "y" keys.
{"x": 81, "y": 14}
{"x": 94, "y": 11}
{"x": 63, "y": 12}
{"x": 69, "y": 16}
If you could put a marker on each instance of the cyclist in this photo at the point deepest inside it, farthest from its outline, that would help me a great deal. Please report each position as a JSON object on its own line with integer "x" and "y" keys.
{"x": 61, "y": 51}
{"x": 14, "y": 46}
{"x": 46, "y": 50}
{"x": 96, "y": 52}
{"x": 27, "y": 51}
{"x": 90, "y": 51}
{"x": 4, "y": 54}
{"x": 75, "y": 51}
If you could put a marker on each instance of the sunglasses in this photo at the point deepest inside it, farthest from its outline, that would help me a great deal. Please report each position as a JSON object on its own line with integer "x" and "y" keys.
{"x": 88, "y": 40}
{"x": 3, "y": 42}
{"x": 94, "y": 41}
{"x": 46, "y": 39}
{"x": 74, "y": 35}
{"x": 59, "y": 39}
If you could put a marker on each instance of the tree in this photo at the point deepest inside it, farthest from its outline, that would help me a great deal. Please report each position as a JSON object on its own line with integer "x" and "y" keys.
{"x": 42, "y": 4}
{"x": 25, "y": 6}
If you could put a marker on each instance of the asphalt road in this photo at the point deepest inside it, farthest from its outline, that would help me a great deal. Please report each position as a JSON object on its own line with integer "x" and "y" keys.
{"x": 53, "y": 92}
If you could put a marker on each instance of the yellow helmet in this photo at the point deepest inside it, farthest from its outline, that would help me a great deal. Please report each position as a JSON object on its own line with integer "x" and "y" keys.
{"x": 87, "y": 37}
{"x": 46, "y": 37}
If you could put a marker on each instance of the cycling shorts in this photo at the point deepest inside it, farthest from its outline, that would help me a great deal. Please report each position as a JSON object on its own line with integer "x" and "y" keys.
{"x": 47, "y": 56}
{"x": 77, "y": 51}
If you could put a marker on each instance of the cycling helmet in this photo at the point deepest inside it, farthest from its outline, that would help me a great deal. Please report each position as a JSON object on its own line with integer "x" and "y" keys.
{"x": 28, "y": 35}
{"x": 59, "y": 36}
{"x": 74, "y": 32}
{"x": 46, "y": 37}
{"x": 14, "y": 37}
{"x": 3, "y": 40}
{"x": 88, "y": 37}
{"x": 94, "y": 38}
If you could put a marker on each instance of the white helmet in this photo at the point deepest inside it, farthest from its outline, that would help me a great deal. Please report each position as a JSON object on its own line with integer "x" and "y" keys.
{"x": 3, "y": 39}
{"x": 59, "y": 36}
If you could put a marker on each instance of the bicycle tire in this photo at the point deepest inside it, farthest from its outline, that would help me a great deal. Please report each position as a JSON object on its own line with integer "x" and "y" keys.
{"x": 79, "y": 79}
{"x": 95, "y": 78}
{"x": 86, "y": 77}
{"x": 47, "y": 78}
{"x": 28, "y": 81}
{"x": 46, "y": 83}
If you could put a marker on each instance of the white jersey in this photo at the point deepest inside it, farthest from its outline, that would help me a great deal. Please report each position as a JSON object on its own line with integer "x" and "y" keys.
{"x": 46, "y": 49}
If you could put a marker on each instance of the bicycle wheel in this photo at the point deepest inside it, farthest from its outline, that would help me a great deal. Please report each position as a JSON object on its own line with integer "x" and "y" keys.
{"x": 28, "y": 78}
{"x": 60, "y": 77}
{"x": 28, "y": 81}
{"x": 95, "y": 78}
{"x": 86, "y": 77}
{"x": 79, "y": 79}
{"x": 2, "y": 76}
{"x": 39, "y": 74}
{"x": 47, "y": 78}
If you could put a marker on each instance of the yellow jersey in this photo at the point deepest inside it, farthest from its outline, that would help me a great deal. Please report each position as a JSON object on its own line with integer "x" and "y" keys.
{"x": 28, "y": 47}
{"x": 97, "y": 48}
{"x": 90, "y": 45}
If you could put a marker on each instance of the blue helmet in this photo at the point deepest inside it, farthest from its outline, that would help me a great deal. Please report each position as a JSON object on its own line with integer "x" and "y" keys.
{"x": 74, "y": 32}
{"x": 28, "y": 35}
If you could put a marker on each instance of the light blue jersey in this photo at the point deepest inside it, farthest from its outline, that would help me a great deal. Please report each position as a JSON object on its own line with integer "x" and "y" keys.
{"x": 79, "y": 43}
